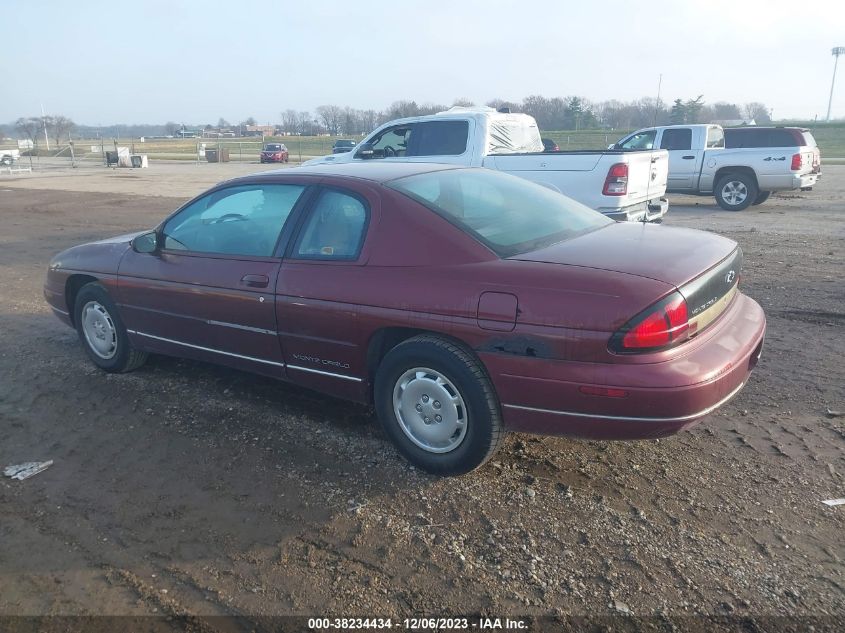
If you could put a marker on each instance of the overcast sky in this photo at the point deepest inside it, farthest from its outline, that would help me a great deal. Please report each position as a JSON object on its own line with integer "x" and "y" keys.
{"x": 102, "y": 62}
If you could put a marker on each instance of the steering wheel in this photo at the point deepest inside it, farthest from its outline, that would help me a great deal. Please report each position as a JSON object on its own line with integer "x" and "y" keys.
{"x": 389, "y": 151}
{"x": 227, "y": 217}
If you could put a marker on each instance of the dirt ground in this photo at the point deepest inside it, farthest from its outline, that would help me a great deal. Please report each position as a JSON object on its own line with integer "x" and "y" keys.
{"x": 189, "y": 489}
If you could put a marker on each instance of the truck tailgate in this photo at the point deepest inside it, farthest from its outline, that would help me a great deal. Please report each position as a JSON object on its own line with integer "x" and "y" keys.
{"x": 648, "y": 173}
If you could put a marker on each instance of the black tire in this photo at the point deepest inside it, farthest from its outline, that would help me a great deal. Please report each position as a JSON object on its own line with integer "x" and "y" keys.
{"x": 484, "y": 429}
{"x": 6, "y": 160}
{"x": 124, "y": 357}
{"x": 761, "y": 197}
{"x": 742, "y": 185}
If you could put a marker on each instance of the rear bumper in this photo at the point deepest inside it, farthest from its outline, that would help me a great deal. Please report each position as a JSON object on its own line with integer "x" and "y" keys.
{"x": 661, "y": 398}
{"x": 805, "y": 180}
{"x": 650, "y": 211}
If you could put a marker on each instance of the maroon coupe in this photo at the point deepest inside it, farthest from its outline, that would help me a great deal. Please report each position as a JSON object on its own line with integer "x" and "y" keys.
{"x": 460, "y": 302}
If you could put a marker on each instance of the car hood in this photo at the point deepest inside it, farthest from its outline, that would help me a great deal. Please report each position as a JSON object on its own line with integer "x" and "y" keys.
{"x": 669, "y": 254}
{"x": 345, "y": 157}
{"x": 101, "y": 256}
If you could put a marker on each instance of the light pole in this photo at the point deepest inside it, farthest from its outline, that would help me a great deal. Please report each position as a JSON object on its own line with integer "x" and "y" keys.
{"x": 837, "y": 51}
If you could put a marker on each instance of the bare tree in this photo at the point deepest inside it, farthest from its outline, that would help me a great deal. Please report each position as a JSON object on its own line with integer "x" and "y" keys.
{"x": 463, "y": 101}
{"x": 290, "y": 121}
{"x": 721, "y": 110}
{"x": 171, "y": 127}
{"x": 500, "y": 104}
{"x": 332, "y": 118}
{"x": 61, "y": 126}
{"x": 757, "y": 111}
{"x": 30, "y": 127}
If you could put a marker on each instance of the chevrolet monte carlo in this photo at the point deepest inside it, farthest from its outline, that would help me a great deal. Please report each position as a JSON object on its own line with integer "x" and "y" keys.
{"x": 461, "y": 303}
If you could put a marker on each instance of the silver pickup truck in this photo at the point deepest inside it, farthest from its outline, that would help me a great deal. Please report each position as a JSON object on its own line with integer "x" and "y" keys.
{"x": 740, "y": 172}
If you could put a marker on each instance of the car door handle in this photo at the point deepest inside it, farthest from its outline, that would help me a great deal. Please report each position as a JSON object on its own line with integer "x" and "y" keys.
{"x": 255, "y": 281}
{"x": 688, "y": 157}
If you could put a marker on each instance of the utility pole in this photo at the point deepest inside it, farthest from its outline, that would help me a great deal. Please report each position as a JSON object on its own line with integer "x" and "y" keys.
{"x": 44, "y": 123}
{"x": 836, "y": 52}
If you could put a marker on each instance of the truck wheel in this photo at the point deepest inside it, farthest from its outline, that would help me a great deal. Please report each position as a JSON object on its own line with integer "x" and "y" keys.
{"x": 6, "y": 160}
{"x": 437, "y": 405}
{"x": 761, "y": 197}
{"x": 735, "y": 192}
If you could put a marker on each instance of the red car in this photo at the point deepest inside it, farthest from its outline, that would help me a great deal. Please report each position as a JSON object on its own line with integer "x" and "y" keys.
{"x": 462, "y": 303}
{"x": 274, "y": 153}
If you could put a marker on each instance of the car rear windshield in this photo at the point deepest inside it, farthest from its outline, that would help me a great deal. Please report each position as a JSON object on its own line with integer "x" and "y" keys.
{"x": 344, "y": 143}
{"x": 507, "y": 214}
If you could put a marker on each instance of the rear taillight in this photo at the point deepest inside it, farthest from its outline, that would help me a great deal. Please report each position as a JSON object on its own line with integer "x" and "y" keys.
{"x": 663, "y": 325}
{"x": 616, "y": 183}
{"x": 796, "y": 162}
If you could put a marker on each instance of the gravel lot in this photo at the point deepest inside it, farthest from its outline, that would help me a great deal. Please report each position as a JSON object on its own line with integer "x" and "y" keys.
{"x": 189, "y": 489}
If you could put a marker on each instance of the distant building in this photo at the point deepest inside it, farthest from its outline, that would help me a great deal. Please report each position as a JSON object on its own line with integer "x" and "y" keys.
{"x": 259, "y": 130}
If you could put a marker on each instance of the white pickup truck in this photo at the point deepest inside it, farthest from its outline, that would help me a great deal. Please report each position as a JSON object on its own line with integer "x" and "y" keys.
{"x": 9, "y": 156}
{"x": 623, "y": 184}
{"x": 738, "y": 175}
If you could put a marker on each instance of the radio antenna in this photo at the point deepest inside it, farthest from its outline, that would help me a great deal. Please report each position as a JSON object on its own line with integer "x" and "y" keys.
{"x": 657, "y": 103}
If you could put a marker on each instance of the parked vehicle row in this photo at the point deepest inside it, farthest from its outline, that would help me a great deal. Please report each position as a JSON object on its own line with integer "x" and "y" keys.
{"x": 460, "y": 302}
{"x": 623, "y": 184}
{"x": 739, "y": 166}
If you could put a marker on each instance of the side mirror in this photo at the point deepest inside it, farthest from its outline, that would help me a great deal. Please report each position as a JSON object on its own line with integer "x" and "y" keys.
{"x": 146, "y": 243}
{"x": 365, "y": 150}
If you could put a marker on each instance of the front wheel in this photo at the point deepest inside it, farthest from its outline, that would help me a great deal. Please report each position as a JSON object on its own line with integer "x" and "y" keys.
{"x": 761, "y": 197}
{"x": 102, "y": 333}
{"x": 735, "y": 192}
{"x": 437, "y": 405}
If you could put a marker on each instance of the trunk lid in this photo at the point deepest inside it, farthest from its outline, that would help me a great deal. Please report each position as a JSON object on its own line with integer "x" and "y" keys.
{"x": 669, "y": 254}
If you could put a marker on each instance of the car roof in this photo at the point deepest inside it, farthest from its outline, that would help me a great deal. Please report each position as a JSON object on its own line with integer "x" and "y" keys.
{"x": 374, "y": 170}
{"x": 765, "y": 127}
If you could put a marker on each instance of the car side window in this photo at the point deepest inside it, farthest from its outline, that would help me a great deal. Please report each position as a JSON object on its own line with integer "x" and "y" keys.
{"x": 439, "y": 138}
{"x": 715, "y": 138}
{"x": 335, "y": 228}
{"x": 393, "y": 141}
{"x": 641, "y": 140}
{"x": 676, "y": 139}
{"x": 244, "y": 220}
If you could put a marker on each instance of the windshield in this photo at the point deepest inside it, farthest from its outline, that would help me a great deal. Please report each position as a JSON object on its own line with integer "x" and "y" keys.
{"x": 508, "y": 214}
{"x": 344, "y": 143}
{"x": 272, "y": 147}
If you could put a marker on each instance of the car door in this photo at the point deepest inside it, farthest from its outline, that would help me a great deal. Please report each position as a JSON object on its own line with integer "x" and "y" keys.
{"x": 316, "y": 299}
{"x": 683, "y": 160}
{"x": 207, "y": 292}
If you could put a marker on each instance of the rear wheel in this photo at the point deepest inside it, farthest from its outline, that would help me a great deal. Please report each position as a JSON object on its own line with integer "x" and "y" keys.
{"x": 102, "y": 333}
{"x": 437, "y": 405}
{"x": 735, "y": 192}
{"x": 761, "y": 197}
